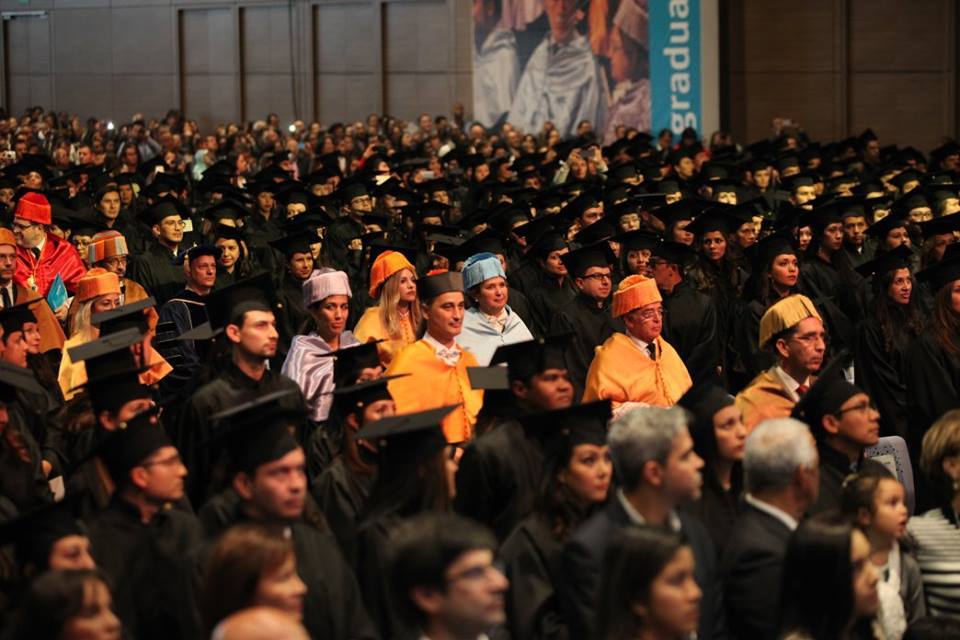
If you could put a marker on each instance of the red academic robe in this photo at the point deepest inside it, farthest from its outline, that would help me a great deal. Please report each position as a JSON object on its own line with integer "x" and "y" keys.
{"x": 58, "y": 257}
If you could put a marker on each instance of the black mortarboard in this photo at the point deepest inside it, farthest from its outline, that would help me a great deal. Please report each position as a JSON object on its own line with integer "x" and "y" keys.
{"x": 259, "y": 431}
{"x": 404, "y": 439}
{"x": 273, "y": 172}
{"x": 129, "y": 447}
{"x": 636, "y": 240}
{"x": 353, "y": 189}
{"x": 940, "y": 226}
{"x": 227, "y": 232}
{"x": 915, "y": 199}
{"x": 13, "y": 377}
{"x": 826, "y": 395}
{"x": 561, "y": 430}
{"x": 166, "y": 182}
{"x": 363, "y": 394}
{"x": 579, "y": 205}
{"x": 293, "y": 193}
{"x": 672, "y": 252}
{"x": 594, "y": 255}
{"x": 198, "y": 251}
{"x": 778, "y": 243}
{"x": 128, "y": 316}
{"x": 13, "y": 318}
{"x": 547, "y": 243}
{"x": 35, "y": 532}
{"x": 535, "y": 229}
{"x": 487, "y": 240}
{"x": 431, "y": 286}
{"x": 685, "y": 209}
{"x": 603, "y": 229}
{"x": 295, "y": 243}
{"x": 713, "y": 219}
{"x": 228, "y": 304}
{"x": 164, "y": 208}
{"x": 488, "y": 378}
{"x": 907, "y": 175}
{"x": 898, "y": 258}
{"x": 225, "y": 209}
{"x": 80, "y": 223}
{"x": 881, "y": 228}
{"x": 703, "y": 401}
{"x": 349, "y": 362}
{"x": 941, "y": 274}
{"x": 531, "y": 357}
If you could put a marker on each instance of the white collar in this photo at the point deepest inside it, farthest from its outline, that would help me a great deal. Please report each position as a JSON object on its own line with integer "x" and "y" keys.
{"x": 789, "y": 521}
{"x": 788, "y": 382}
{"x": 644, "y": 346}
{"x": 636, "y": 518}
{"x": 437, "y": 346}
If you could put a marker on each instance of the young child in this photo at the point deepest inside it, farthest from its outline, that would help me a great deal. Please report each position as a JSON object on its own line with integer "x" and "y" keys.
{"x": 874, "y": 501}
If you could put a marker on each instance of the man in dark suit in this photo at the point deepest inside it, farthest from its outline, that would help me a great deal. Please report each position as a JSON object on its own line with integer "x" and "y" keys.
{"x": 653, "y": 454}
{"x": 781, "y": 469}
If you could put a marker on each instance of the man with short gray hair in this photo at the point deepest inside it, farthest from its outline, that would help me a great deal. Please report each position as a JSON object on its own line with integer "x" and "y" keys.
{"x": 658, "y": 469}
{"x": 781, "y": 471}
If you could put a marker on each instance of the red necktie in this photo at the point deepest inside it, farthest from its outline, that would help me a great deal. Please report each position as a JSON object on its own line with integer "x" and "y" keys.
{"x": 802, "y": 390}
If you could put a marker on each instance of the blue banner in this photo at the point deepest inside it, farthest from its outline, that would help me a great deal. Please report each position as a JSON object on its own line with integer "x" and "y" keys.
{"x": 675, "y": 75}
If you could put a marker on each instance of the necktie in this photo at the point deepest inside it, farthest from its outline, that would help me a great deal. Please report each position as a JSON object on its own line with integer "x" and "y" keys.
{"x": 652, "y": 351}
{"x": 36, "y": 252}
{"x": 802, "y": 390}
{"x": 5, "y": 294}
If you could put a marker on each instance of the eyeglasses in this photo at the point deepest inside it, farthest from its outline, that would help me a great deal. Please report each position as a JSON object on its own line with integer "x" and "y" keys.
{"x": 862, "y": 407}
{"x": 651, "y": 314}
{"x": 174, "y": 223}
{"x": 22, "y": 227}
{"x": 598, "y": 277}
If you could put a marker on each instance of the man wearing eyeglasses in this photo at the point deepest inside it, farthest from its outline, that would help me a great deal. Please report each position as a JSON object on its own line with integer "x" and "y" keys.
{"x": 108, "y": 250}
{"x": 793, "y": 329}
{"x": 40, "y": 254}
{"x": 844, "y": 422}
{"x": 637, "y": 368}
{"x": 445, "y": 580}
{"x": 155, "y": 268}
{"x": 587, "y": 316}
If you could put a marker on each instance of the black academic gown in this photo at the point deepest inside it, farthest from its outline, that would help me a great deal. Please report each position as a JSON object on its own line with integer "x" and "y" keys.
{"x": 187, "y": 310}
{"x": 499, "y": 476}
{"x": 337, "y": 238}
{"x": 333, "y": 608}
{"x": 292, "y": 314}
{"x": 23, "y": 483}
{"x": 341, "y": 493}
{"x": 932, "y": 377}
{"x": 834, "y": 469}
{"x": 546, "y": 301}
{"x": 880, "y": 373}
{"x": 151, "y": 567}
{"x": 191, "y": 434}
{"x": 41, "y": 414}
{"x": 155, "y": 271}
{"x": 591, "y": 325}
{"x": 373, "y": 558}
{"x": 838, "y": 283}
{"x": 531, "y": 557}
{"x": 863, "y": 256}
{"x": 690, "y": 325}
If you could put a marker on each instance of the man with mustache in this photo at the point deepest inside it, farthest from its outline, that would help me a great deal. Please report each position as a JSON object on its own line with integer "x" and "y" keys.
{"x": 793, "y": 330}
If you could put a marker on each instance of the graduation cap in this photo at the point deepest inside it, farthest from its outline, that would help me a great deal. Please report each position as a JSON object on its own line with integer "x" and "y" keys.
{"x": 436, "y": 284}
{"x": 636, "y": 241}
{"x": 703, "y": 401}
{"x": 356, "y": 397}
{"x": 130, "y": 446}
{"x": 685, "y": 209}
{"x": 487, "y": 241}
{"x": 273, "y": 173}
{"x": 349, "y": 362}
{"x": 623, "y": 172}
{"x": 352, "y": 189}
{"x": 892, "y": 260}
{"x": 884, "y": 226}
{"x": 259, "y": 431}
{"x": 293, "y": 193}
{"x": 227, "y": 232}
{"x": 940, "y": 226}
{"x": 80, "y": 223}
{"x": 35, "y": 532}
{"x": 508, "y": 217}
{"x": 594, "y": 255}
{"x": 379, "y": 245}
{"x": 228, "y": 304}
{"x": 941, "y": 274}
{"x": 163, "y": 208}
{"x": 166, "y": 182}
{"x": 199, "y": 251}
{"x": 915, "y": 199}
{"x": 674, "y": 252}
{"x": 225, "y": 209}
{"x": 292, "y": 244}
{"x": 780, "y": 242}
{"x": 531, "y": 357}
{"x": 547, "y": 243}
{"x": 603, "y": 229}
{"x": 714, "y": 219}
{"x": 905, "y": 177}
{"x": 489, "y": 378}
{"x": 826, "y": 395}
{"x": 561, "y": 430}
{"x": 420, "y": 211}
{"x": 128, "y": 316}
{"x": 13, "y": 318}
{"x": 535, "y": 229}
{"x": 405, "y": 439}
{"x": 436, "y": 185}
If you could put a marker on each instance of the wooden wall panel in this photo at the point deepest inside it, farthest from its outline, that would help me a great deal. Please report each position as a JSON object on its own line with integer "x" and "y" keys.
{"x": 346, "y": 66}
{"x": 208, "y": 55}
{"x": 417, "y": 56}
{"x": 267, "y": 42}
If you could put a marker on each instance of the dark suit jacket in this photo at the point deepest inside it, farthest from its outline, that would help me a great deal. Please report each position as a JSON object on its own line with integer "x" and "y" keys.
{"x": 750, "y": 569}
{"x": 582, "y": 568}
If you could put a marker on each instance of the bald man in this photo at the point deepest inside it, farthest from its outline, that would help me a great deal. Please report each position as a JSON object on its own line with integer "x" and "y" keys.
{"x": 259, "y": 623}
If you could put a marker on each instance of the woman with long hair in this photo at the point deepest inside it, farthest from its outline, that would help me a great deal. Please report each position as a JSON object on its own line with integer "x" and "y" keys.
{"x": 251, "y": 565}
{"x": 935, "y": 534}
{"x": 343, "y": 487}
{"x": 396, "y": 319}
{"x": 648, "y": 589}
{"x": 829, "y": 587}
{"x": 931, "y": 369}
{"x": 576, "y": 478}
{"x": 719, "y": 438}
{"x": 894, "y": 320}
{"x": 97, "y": 291}
{"x": 415, "y": 470}
{"x": 490, "y": 323}
{"x": 235, "y": 262}
{"x": 67, "y": 605}
{"x": 326, "y": 295}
